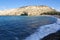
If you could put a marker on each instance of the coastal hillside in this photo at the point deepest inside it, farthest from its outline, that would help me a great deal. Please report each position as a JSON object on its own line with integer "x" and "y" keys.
{"x": 28, "y": 10}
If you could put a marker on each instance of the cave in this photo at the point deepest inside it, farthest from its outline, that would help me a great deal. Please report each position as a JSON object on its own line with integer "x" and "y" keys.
{"x": 24, "y": 14}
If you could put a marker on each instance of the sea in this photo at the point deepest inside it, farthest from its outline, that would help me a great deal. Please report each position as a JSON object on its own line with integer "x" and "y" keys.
{"x": 20, "y": 27}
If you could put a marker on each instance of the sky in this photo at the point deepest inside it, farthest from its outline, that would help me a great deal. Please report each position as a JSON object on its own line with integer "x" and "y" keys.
{"x": 9, "y": 4}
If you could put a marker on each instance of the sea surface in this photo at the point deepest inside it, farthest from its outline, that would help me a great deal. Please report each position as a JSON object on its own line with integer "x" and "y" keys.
{"x": 20, "y": 27}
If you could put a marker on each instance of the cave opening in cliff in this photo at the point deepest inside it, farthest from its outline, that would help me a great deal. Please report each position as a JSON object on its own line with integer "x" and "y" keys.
{"x": 24, "y": 14}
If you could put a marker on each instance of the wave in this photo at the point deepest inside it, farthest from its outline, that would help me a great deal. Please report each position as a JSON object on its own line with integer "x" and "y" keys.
{"x": 45, "y": 30}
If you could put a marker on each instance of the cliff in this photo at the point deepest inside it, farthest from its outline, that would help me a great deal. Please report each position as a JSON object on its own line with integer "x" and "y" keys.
{"x": 28, "y": 10}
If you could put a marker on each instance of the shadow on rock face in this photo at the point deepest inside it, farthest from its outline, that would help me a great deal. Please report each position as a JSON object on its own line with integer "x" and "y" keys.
{"x": 53, "y": 36}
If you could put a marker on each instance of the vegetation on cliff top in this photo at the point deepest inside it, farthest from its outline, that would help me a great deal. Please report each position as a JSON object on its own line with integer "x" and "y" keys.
{"x": 51, "y": 13}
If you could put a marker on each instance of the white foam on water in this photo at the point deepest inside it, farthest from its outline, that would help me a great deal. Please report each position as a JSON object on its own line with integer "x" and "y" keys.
{"x": 44, "y": 31}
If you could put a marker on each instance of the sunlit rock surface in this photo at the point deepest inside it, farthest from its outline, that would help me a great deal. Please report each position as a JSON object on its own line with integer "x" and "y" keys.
{"x": 29, "y": 10}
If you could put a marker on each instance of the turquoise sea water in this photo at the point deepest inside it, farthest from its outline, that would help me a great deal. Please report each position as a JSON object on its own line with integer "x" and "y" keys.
{"x": 20, "y": 27}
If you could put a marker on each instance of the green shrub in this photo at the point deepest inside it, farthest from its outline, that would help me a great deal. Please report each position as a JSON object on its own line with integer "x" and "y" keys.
{"x": 51, "y": 13}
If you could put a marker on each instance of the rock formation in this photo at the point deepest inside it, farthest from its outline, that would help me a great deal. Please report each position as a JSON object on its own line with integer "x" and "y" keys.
{"x": 27, "y": 10}
{"x": 53, "y": 36}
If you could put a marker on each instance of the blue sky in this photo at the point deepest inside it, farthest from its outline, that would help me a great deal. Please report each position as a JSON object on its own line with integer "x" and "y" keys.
{"x": 8, "y": 4}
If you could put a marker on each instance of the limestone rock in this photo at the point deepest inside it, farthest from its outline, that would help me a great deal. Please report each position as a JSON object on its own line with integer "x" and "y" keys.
{"x": 29, "y": 10}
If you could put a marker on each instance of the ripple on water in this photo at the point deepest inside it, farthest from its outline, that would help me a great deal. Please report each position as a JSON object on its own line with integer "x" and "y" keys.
{"x": 19, "y": 27}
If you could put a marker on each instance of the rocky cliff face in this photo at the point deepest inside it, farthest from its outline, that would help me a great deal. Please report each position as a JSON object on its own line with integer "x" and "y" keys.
{"x": 27, "y": 10}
